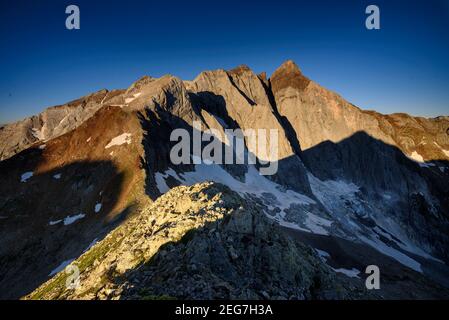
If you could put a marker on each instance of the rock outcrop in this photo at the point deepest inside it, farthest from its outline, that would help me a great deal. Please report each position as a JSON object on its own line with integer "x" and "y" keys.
{"x": 200, "y": 242}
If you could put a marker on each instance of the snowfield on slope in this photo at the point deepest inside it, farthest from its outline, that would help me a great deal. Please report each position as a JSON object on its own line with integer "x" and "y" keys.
{"x": 24, "y": 177}
{"x": 119, "y": 140}
{"x": 67, "y": 220}
{"x": 255, "y": 185}
{"x": 332, "y": 194}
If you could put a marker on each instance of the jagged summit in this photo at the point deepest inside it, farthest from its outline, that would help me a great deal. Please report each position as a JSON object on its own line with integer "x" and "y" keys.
{"x": 288, "y": 75}
{"x": 139, "y": 84}
{"x": 240, "y": 69}
{"x": 288, "y": 66}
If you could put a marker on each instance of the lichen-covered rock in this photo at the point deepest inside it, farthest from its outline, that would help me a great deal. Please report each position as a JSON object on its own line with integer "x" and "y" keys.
{"x": 200, "y": 242}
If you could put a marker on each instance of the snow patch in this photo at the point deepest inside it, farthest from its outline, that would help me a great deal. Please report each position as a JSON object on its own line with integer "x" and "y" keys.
{"x": 119, "y": 140}
{"x": 322, "y": 254}
{"x": 88, "y": 139}
{"x": 254, "y": 184}
{"x": 135, "y": 96}
{"x": 395, "y": 254}
{"x": 24, "y": 177}
{"x": 330, "y": 192}
{"x": 53, "y": 222}
{"x": 91, "y": 244}
{"x": 97, "y": 207}
{"x": 71, "y": 219}
{"x": 60, "y": 267}
{"x": 67, "y": 220}
{"x": 353, "y": 273}
{"x": 160, "y": 182}
{"x": 57, "y": 176}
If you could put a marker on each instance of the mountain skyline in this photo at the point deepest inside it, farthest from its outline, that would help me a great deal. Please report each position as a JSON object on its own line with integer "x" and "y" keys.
{"x": 403, "y": 67}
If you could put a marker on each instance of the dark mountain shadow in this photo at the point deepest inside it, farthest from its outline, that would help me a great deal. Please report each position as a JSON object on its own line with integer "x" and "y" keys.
{"x": 375, "y": 167}
{"x": 285, "y": 123}
{"x": 213, "y": 104}
{"x": 378, "y": 168}
{"x": 158, "y": 123}
{"x": 225, "y": 259}
{"x": 242, "y": 255}
{"x": 41, "y": 223}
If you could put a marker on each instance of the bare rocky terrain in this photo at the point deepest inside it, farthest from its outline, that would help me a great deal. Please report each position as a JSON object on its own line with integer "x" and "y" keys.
{"x": 88, "y": 183}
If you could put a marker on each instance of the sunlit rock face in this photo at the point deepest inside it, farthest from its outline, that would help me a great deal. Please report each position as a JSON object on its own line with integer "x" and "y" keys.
{"x": 352, "y": 187}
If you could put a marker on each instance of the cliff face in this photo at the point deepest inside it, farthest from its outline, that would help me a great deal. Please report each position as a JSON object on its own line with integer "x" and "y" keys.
{"x": 377, "y": 183}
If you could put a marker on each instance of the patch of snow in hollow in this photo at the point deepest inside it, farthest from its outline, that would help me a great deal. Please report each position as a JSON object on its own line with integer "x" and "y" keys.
{"x": 160, "y": 179}
{"x": 442, "y": 169}
{"x": 53, "y": 222}
{"x": 426, "y": 164}
{"x": 57, "y": 176}
{"x": 383, "y": 233}
{"x": 135, "y": 96}
{"x": 388, "y": 228}
{"x": 111, "y": 153}
{"x": 60, "y": 267}
{"x": 88, "y": 139}
{"x": 91, "y": 244}
{"x": 331, "y": 191}
{"x": 322, "y": 254}
{"x": 353, "y": 273}
{"x": 333, "y": 196}
{"x": 254, "y": 184}
{"x": 97, "y": 207}
{"x": 71, "y": 219}
{"x": 42, "y": 146}
{"x": 160, "y": 183}
{"x": 315, "y": 224}
{"x": 119, "y": 140}
{"x": 24, "y": 177}
{"x": 290, "y": 225}
{"x": 395, "y": 254}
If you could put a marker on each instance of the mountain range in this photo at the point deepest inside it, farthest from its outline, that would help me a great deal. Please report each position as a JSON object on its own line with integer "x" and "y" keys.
{"x": 90, "y": 184}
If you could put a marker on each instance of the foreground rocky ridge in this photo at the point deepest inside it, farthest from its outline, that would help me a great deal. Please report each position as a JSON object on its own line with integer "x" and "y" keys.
{"x": 344, "y": 173}
{"x": 200, "y": 242}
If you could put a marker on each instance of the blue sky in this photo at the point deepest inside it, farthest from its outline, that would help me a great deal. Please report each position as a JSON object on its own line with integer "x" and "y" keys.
{"x": 403, "y": 67}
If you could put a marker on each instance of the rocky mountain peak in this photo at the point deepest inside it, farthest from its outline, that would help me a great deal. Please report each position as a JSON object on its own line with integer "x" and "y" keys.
{"x": 139, "y": 84}
{"x": 239, "y": 70}
{"x": 288, "y": 75}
